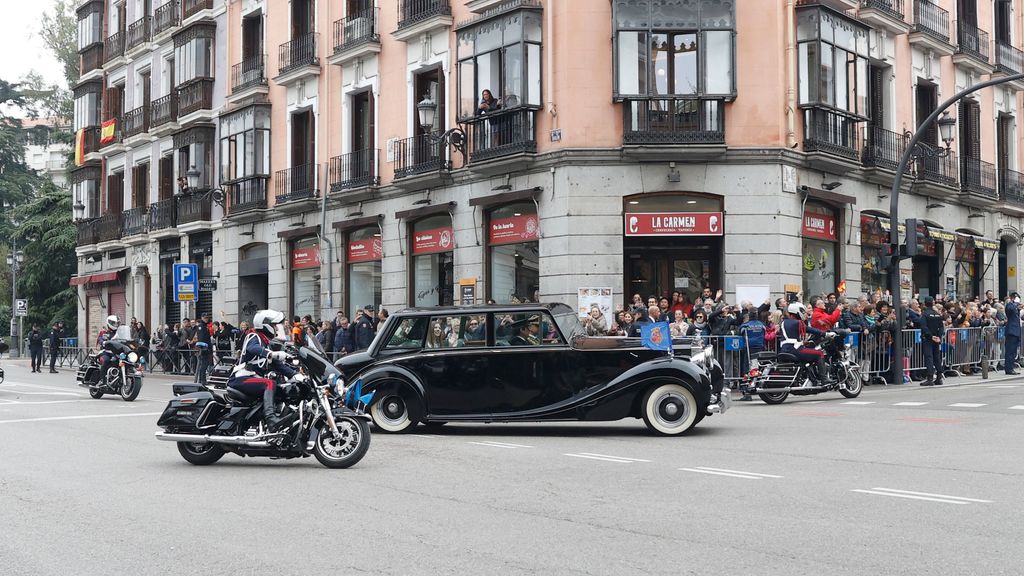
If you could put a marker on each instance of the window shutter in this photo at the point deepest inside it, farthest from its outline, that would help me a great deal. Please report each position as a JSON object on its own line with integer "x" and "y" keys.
{"x": 876, "y": 94}
{"x": 975, "y": 135}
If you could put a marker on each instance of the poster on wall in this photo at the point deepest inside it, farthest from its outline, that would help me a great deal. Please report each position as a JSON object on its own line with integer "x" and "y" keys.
{"x": 587, "y": 298}
{"x": 435, "y": 240}
{"x": 365, "y": 250}
{"x": 906, "y": 283}
{"x": 524, "y": 228}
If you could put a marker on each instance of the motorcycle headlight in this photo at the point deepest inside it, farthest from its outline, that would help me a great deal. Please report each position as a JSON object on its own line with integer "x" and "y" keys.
{"x": 133, "y": 357}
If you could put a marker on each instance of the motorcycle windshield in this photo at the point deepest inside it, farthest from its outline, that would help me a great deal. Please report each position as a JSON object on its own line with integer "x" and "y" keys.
{"x": 313, "y": 343}
{"x": 123, "y": 333}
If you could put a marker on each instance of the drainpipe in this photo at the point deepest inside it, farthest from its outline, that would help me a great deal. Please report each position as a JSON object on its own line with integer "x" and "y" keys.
{"x": 326, "y": 238}
{"x": 549, "y": 56}
{"x": 790, "y": 74}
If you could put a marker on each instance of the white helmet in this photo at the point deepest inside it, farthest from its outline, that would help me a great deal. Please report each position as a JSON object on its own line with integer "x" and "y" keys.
{"x": 113, "y": 322}
{"x": 798, "y": 309}
{"x": 266, "y": 321}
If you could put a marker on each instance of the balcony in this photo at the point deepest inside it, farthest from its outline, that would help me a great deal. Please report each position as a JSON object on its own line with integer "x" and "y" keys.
{"x": 356, "y": 36}
{"x": 501, "y": 134}
{"x": 163, "y": 114}
{"x": 972, "y": 48}
{"x": 1011, "y": 187}
{"x": 108, "y": 227}
{"x": 136, "y": 122}
{"x": 247, "y": 198}
{"x": 249, "y": 77}
{"x": 937, "y": 170}
{"x": 140, "y": 32}
{"x": 418, "y": 155}
{"x": 354, "y": 170}
{"x": 931, "y": 28}
{"x": 978, "y": 179}
{"x": 418, "y": 16}
{"x": 1009, "y": 60}
{"x": 190, "y": 8}
{"x": 883, "y": 150}
{"x": 90, "y": 140}
{"x": 298, "y": 58}
{"x": 195, "y": 96}
{"x": 92, "y": 60}
{"x": 831, "y": 139}
{"x": 885, "y": 14}
{"x": 296, "y": 188}
{"x": 113, "y": 47}
{"x": 163, "y": 215}
{"x": 118, "y": 137}
{"x": 167, "y": 17}
{"x": 194, "y": 208}
{"x": 135, "y": 221}
{"x": 88, "y": 232}
{"x": 675, "y": 122}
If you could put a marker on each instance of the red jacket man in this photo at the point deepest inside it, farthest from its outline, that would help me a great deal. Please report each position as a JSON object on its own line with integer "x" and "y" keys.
{"x": 822, "y": 320}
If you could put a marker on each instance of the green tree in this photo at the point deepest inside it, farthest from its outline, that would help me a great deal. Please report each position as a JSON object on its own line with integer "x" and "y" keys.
{"x": 59, "y": 31}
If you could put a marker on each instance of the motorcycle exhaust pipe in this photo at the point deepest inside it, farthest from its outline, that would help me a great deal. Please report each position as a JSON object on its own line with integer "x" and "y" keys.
{"x": 207, "y": 439}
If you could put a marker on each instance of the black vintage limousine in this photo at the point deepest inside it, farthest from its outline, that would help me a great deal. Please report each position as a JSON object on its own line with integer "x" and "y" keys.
{"x": 527, "y": 363}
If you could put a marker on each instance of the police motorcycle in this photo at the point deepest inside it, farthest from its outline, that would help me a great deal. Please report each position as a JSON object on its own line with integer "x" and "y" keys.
{"x": 774, "y": 376}
{"x": 321, "y": 417}
{"x": 117, "y": 368}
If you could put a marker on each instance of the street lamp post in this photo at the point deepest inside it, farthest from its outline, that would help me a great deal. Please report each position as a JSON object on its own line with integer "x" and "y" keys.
{"x": 451, "y": 138}
{"x": 912, "y": 151}
{"x": 14, "y": 260}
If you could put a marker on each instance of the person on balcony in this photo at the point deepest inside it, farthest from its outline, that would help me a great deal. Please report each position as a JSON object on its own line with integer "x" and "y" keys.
{"x": 488, "y": 104}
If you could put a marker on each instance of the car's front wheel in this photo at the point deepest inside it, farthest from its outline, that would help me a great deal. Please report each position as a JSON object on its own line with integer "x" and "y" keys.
{"x": 391, "y": 413}
{"x": 670, "y": 409}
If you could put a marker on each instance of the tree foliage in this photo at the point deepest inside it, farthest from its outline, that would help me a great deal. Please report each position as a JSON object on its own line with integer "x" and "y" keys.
{"x": 48, "y": 238}
{"x": 59, "y": 31}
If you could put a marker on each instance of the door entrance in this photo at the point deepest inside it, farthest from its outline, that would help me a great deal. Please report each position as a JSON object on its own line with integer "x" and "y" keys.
{"x": 661, "y": 267}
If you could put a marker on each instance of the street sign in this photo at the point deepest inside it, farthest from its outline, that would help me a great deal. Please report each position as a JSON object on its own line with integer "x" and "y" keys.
{"x": 21, "y": 307}
{"x": 186, "y": 282}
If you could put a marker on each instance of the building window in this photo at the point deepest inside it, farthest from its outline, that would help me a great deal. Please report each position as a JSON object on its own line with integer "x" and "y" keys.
{"x": 513, "y": 234}
{"x": 433, "y": 273}
{"x": 364, "y": 252}
{"x": 833, "y": 57}
{"x": 90, "y": 27}
{"x": 245, "y": 144}
{"x": 502, "y": 55}
{"x": 820, "y": 232}
{"x": 305, "y": 264}
{"x": 87, "y": 105}
{"x": 193, "y": 54}
{"x": 672, "y": 48}
{"x": 195, "y": 148}
{"x": 115, "y": 192}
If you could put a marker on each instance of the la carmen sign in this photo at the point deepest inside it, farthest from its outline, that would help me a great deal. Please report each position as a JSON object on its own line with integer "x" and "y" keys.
{"x": 674, "y": 224}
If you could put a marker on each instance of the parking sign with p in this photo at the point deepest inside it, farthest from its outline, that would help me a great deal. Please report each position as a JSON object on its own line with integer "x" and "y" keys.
{"x": 186, "y": 282}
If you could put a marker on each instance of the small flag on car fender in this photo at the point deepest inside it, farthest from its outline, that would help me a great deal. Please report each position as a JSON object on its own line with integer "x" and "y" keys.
{"x": 656, "y": 336}
{"x": 355, "y": 396}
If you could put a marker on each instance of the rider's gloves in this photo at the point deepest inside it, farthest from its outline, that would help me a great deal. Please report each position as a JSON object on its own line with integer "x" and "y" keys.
{"x": 280, "y": 355}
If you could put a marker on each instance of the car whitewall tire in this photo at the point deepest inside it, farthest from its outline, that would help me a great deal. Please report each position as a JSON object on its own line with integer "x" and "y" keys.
{"x": 670, "y": 409}
{"x": 391, "y": 414}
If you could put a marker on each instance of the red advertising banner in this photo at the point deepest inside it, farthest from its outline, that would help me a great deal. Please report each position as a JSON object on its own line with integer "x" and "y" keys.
{"x": 674, "y": 224}
{"x": 435, "y": 240}
{"x": 365, "y": 250}
{"x": 523, "y": 228}
{"x": 820, "y": 226}
{"x": 303, "y": 258}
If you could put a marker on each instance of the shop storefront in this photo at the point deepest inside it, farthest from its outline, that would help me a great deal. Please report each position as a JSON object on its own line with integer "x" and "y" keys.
{"x": 200, "y": 248}
{"x": 432, "y": 241}
{"x": 305, "y": 277}
{"x": 253, "y": 280}
{"x": 363, "y": 254}
{"x": 673, "y": 242}
{"x": 513, "y": 233}
{"x": 820, "y": 249}
{"x": 873, "y": 279}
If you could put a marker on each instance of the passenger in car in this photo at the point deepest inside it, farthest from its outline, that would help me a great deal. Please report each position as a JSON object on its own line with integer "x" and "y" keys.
{"x": 436, "y": 337}
{"x": 476, "y": 331}
{"x": 526, "y": 332}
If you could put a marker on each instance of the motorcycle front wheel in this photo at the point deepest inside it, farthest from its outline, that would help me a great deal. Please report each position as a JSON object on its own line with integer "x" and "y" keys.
{"x": 344, "y": 450}
{"x": 130, "y": 389}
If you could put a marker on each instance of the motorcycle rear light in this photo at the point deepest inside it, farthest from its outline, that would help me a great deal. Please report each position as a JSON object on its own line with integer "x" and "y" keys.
{"x": 187, "y": 401}
{"x": 755, "y": 373}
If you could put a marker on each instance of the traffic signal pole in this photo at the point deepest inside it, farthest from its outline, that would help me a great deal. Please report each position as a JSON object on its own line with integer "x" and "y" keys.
{"x": 894, "y": 207}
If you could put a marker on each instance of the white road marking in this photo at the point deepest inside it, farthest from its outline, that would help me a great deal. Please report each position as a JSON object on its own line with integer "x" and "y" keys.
{"x": 1017, "y": 407}
{"x": 813, "y": 402}
{"x": 603, "y": 458}
{"x": 40, "y": 386}
{"x": 858, "y": 402}
{"x": 27, "y": 393}
{"x": 493, "y": 444}
{"x": 24, "y": 403}
{"x": 89, "y": 417}
{"x": 1004, "y": 386}
{"x": 424, "y": 436}
{"x": 966, "y": 405}
{"x": 616, "y": 457}
{"x": 927, "y": 496}
{"x": 730, "y": 473}
{"x": 910, "y": 404}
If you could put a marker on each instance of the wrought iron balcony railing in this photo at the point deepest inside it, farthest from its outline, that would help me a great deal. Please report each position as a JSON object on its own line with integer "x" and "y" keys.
{"x": 192, "y": 7}
{"x": 299, "y": 52}
{"x": 140, "y": 32}
{"x": 893, "y": 8}
{"x": 136, "y": 121}
{"x": 135, "y": 221}
{"x": 884, "y": 148}
{"x": 163, "y": 214}
{"x": 167, "y": 17}
{"x": 1009, "y": 59}
{"x": 298, "y": 183}
{"x": 354, "y": 169}
{"x": 832, "y": 133}
{"x": 113, "y": 46}
{"x": 108, "y": 227}
{"x": 972, "y": 41}
{"x": 247, "y": 194}
{"x": 164, "y": 110}
{"x": 502, "y": 133}
{"x": 673, "y": 121}
{"x": 249, "y": 72}
{"x": 356, "y": 29}
{"x": 418, "y": 155}
{"x": 977, "y": 177}
{"x": 931, "y": 20}
{"x": 195, "y": 96}
{"x": 937, "y": 169}
{"x": 90, "y": 139}
{"x": 92, "y": 58}
{"x": 88, "y": 232}
{"x": 414, "y": 11}
{"x": 195, "y": 208}
{"x": 1011, "y": 187}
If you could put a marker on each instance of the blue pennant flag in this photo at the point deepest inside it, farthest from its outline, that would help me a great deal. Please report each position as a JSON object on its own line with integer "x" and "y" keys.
{"x": 355, "y": 395}
{"x": 656, "y": 336}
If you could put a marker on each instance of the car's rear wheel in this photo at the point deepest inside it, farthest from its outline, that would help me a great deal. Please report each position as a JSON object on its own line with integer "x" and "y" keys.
{"x": 670, "y": 409}
{"x": 391, "y": 413}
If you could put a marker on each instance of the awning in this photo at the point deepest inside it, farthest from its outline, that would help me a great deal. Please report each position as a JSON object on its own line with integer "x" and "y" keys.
{"x": 101, "y": 278}
{"x": 940, "y": 234}
{"x": 985, "y": 243}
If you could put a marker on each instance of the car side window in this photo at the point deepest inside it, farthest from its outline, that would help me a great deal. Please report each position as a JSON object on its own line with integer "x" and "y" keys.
{"x": 526, "y": 329}
{"x": 456, "y": 331}
{"x": 408, "y": 335}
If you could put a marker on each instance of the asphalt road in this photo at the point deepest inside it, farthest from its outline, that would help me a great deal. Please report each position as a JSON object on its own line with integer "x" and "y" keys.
{"x": 904, "y": 480}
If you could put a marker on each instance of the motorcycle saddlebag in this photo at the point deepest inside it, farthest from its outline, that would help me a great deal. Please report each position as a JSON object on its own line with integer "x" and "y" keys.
{"x": 183, "y": 412}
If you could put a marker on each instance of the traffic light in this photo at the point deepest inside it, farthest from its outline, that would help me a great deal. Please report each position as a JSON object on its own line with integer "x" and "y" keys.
{"x": 888, "y": 261}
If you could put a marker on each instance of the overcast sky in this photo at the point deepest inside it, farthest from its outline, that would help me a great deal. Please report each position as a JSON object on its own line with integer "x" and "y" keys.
{"x": 21, "y": 48}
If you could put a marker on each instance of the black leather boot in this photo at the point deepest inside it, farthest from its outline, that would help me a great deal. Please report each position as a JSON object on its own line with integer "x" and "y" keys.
{"x": 824, "y": 378}
{"x": 269, "y": 415}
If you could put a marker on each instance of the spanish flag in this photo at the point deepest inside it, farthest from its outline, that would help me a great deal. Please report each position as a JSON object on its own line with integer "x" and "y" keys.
{"x": 80, "y": 147}
{"x": 108, "y": 130}
{"x": 841, "y": 289}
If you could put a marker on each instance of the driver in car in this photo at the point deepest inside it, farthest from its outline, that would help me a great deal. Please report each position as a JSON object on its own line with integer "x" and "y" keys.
{"x": 256, "y": 361}
{"x": 526, "y": 332}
